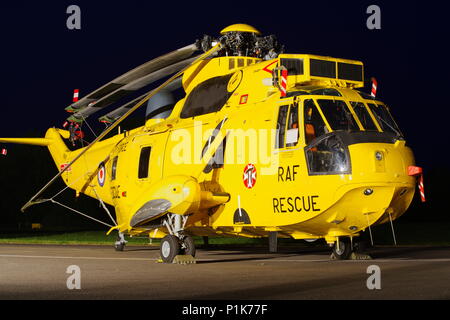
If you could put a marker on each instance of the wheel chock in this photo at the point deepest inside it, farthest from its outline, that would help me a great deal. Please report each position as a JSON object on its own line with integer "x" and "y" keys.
{"x": 354, "y": 256}
{"x": 184, "y": 259}
{"x": 359, "y": 256}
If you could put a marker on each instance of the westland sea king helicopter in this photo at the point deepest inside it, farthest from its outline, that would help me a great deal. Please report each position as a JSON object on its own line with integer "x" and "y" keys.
{"x": 263, "y": 144}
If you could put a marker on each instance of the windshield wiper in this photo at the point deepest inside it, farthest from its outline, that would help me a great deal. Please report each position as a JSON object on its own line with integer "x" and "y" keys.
{"x": 399, "y": 134}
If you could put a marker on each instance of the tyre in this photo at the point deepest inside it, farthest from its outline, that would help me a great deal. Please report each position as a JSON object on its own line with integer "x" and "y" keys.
{"x": 188, "y": 246}
{"x": 169, "y": 248}
{"x": 119, "y": 246}
{"x": 343, "y": 251}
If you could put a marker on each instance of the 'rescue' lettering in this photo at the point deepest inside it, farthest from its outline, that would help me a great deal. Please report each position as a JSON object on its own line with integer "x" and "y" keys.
{"x": 287, "y": 174}
{"x": 295, "y": 204}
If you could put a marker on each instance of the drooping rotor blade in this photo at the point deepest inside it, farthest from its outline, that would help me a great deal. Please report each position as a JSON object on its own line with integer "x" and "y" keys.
{"x": 130, "y": 76}
{"x": 117, "y": 113}
{"x": 129, "y": 89}
{"x": 207, "y": 54}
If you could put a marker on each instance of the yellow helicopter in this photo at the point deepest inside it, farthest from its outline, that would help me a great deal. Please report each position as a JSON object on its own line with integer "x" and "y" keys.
{"x": 263, "y": 144}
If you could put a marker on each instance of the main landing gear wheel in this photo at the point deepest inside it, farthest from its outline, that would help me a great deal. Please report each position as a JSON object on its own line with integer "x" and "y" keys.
{"x": 188, "y": 246}
{"x": 119, "y": 245}
{"x": 169, "y": 249}
{"x": 177, "y": 247}
{"x": 342, "y": 249}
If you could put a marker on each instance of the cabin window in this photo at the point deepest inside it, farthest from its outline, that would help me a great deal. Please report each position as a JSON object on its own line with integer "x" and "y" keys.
{"x": 292, "y": 132}
{"x": 144, "y": 162}
{"x": 338, "y": 115}
{"x": 314, "y": 124}
{"x": 287, "y": 126}
{"x": 207, "y": 97}
{"x": 114, "y": 168}
{"x": 281, "y": 126}
{"x": 364, "y": 116}
{"x": 384, "y": 118}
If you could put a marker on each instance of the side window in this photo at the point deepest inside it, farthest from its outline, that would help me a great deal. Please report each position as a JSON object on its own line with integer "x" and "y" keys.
{"x": 144, "y": 162}
{"x": 314, "y": 124}
{"x": 292, "y": 129}
{"x": 114, "y": 168}
{"x": 281, "y": 126}
{"x": 364, "y": 116}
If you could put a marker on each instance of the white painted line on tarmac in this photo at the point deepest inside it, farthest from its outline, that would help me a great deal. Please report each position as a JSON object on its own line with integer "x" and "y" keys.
{"x": 69, "y": 257}
{"x": 356, "y": 261}
{"x": 225, "y": 260}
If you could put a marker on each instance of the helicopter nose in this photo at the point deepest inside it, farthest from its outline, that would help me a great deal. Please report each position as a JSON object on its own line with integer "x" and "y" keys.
{"x": 381, "y": 161}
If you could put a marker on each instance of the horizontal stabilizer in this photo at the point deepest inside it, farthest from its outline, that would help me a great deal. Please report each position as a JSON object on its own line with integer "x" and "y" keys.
{"x": 31, "y": 141}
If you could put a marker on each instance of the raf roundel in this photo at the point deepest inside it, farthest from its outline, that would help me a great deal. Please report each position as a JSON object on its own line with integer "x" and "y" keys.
{"x": 250, "y": 176}
{"x": 101, "y": 175}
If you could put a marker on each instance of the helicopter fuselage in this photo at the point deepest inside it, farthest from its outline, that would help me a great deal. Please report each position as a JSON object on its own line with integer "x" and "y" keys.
{"x": 285, "y": 145}
{"x": 276, "y": 173}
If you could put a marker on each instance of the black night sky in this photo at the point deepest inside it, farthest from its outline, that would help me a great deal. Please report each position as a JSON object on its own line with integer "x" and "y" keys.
{"x": 42, "y": 61}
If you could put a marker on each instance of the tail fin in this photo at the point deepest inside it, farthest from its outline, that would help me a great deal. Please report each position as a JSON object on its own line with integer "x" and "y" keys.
{"x": 53, "y": 140}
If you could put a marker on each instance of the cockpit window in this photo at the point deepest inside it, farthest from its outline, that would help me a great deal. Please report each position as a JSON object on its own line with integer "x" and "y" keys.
{"x": 364, "y": 116}
{"x": 338, "y": 115}
{"x": 314, "y": 124}
{"x": 384, "y": 118}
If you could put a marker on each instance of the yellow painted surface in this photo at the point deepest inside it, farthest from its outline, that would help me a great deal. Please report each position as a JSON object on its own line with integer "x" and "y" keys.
{"x": 294, "y": 203}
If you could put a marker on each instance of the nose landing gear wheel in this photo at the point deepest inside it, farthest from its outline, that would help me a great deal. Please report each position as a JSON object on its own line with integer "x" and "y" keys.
{"x": 342, "y": 249}
{"x": 169, "y": 248}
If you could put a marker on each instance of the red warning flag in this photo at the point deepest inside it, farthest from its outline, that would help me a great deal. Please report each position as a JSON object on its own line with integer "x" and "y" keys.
{"x": 421, "y": 188}
{"x": 373, "y": 93}
{"x": 76, "y": 93}
{"x": 284, "y": 75}
{"x": 418, "y": 172}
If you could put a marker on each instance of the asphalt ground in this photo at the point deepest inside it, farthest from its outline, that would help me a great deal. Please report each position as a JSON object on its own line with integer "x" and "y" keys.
{"x": 41, "y": 272}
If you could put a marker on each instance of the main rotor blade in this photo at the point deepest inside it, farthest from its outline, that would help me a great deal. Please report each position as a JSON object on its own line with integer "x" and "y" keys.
{"x": 129, "y": 89}
{"x": 207, "y": 54}
{"x": 117, "y": 113}
{"x": 130, "y": 76}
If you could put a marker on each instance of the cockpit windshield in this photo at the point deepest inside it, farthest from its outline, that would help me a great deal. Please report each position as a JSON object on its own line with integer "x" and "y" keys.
{"x": 332, "y": 124}
{"x": 364, "y": 116}
{"x": 384, "y": 118}
{"x": 338, "y": 115}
